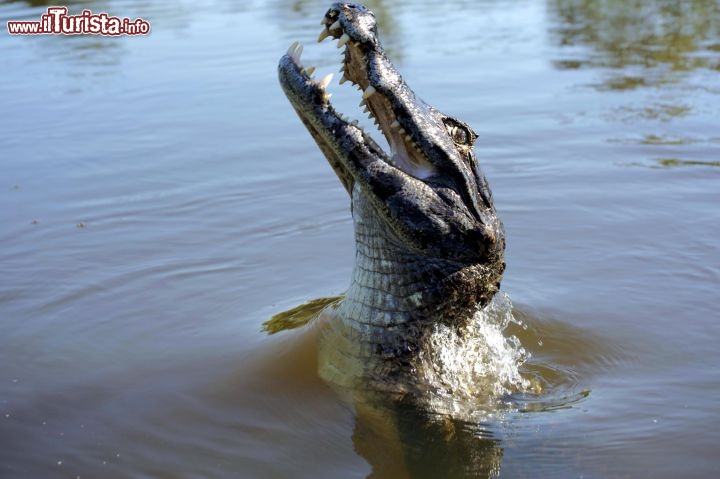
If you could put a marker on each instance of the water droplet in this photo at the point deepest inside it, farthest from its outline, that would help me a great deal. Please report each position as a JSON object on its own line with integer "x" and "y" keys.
{"x": 476, "y": 360}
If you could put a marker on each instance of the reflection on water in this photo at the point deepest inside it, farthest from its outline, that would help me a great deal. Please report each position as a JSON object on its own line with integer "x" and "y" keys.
{"x": 401, "y": 440}
{"x": 428, "y": 435}
{"x": 673, "y": 162}
{"x": 653, "y": 139}
{"x": 641, "y": 44}
{"x": 656, "y": 65}
{"x": 659, "y": 112}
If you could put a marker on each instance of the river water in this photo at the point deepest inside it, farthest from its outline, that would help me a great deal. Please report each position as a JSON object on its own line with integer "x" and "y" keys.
{"x": 160, "y": 201}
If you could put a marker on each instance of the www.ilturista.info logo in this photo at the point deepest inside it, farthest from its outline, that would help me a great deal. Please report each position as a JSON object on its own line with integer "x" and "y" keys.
{"x": 57, "y": 22}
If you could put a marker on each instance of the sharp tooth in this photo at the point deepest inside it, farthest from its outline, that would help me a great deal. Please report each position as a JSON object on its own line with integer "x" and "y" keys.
{"x": 342, "y": 79}
{"x": 297, "y": 52}
{"x": 366, "y": 109}
{"x": 335, "y": 25}
{"x": 310, "y": 70}
{"x": 325, "y": 81}
{"x": 362, "y": 102}
{"x": 323, "y": 35}
{"x": 368, "y": 92}
{"x": 291, "y": 50}
{"x": 343, "y": 40}
{"x": 327, "y": 96}
{"x": 395, "y": 125}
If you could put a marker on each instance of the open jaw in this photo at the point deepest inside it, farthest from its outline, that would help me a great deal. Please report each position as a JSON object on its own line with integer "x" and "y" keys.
{"x": 385, "y": 97}
{"x": 428, "y": 190}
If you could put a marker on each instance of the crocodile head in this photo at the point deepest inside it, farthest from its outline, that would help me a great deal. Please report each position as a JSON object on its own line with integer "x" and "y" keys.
{"x": 429, "y": 242}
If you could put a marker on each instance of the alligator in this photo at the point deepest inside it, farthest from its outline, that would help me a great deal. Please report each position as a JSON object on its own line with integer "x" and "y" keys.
{"x": 429, "y": 243}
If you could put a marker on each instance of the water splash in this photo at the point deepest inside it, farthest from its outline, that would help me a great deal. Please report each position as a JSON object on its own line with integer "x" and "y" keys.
{"x": 476, "y": 361}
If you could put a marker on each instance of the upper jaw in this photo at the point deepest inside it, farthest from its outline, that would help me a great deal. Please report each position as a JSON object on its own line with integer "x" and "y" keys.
{"x": 385, "y": 97}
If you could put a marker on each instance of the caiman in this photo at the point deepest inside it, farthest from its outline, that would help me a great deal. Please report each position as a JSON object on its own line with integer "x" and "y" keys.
{"x": 429, "y": 243}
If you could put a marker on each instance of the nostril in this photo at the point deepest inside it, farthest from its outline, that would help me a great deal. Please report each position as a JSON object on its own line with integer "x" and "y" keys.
{"x": 354, "y": 6}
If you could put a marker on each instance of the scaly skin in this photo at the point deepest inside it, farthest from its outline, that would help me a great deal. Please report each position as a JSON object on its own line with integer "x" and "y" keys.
{"x": 429, "y": 244}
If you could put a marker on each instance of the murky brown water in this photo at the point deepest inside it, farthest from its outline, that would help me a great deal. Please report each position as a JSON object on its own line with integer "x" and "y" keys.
{"x": 160, "y": 201}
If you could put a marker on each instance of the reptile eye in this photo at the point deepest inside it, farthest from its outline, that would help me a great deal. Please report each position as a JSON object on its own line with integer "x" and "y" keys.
{"x": 459, "y": 134}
